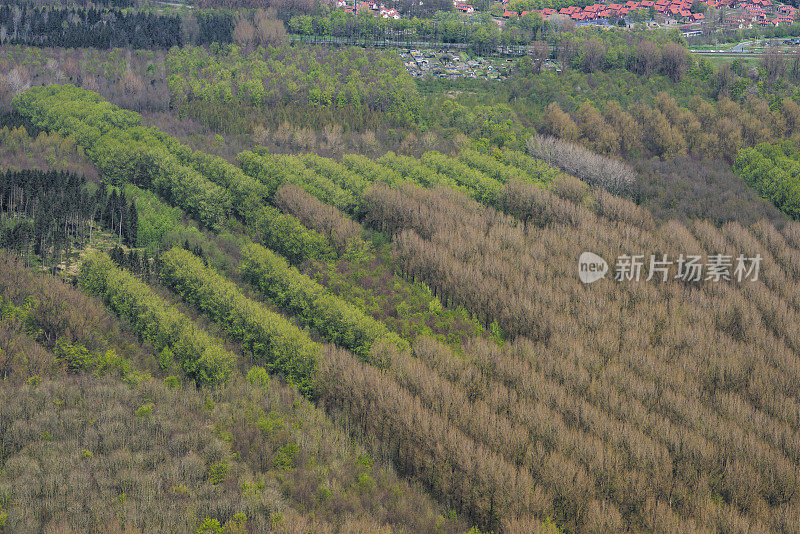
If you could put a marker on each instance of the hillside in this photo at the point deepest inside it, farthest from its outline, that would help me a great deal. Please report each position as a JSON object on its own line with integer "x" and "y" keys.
{"x": 431, "y": 306}
{"x": 487, "y": 268}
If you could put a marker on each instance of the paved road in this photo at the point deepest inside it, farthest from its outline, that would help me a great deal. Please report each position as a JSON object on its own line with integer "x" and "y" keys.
{"x": 738, "y": 47}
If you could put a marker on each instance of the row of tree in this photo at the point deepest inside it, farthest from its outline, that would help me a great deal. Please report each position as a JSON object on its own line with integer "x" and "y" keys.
{"x": 478, "y": 32}
{"x": 339, "y": 175}
{"x": 339, "y": 229}
{"x": 123, "y": 150}
{"x": 347, "y": 326}
{"x": 271, "y": 434}
{"x": 715, "y": 129}
{"x": 87, "y": 27}
{"x": 592, "y": 168}
{"x": 276, "y": 170}
{"x": 172, "y": 335}
{"x": 268, "y": 337}
{"x": 335, "y": 319}
{"x": 458, "y": 247}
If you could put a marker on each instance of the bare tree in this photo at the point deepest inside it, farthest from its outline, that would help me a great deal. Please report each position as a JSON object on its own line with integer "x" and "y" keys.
{"x": 190, "y": 28}
{"x": 244, "y": 33}
{"x": 539, "y": 53}
{"x": 269, "y": 30}
{"x": 592, "y": 168}
{"x": 593, "y": 52}
{"x": 674, "y": 61}
{"x": 19, "y": 80}
{"x": 773, "y": 63}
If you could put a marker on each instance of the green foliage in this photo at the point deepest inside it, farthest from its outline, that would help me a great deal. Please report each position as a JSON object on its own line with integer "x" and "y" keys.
{"x": 370, "y": 170}
{"x": 415, "y": 171}
{"x": 162, "y": 226}
{"x": 360, "y": 86}
{"x": 365, "y": 277}
{"x": 334, "y": 318}
{"x": 247, "y": 194}
{"x": 287, "y": 235}
{"x": 33, "y": 381}
{"x": 172, "y": 382}
{"x": 75, "y": 357}
{"x": 270, "y": 423}
{"x": 533, "y": 170}
{"x": 210, "y": 526}
{"x": 774, "y": 171}
{"x": 481, "y": 187}
{"x": 155, "y": 321}
{"x": 284, "y": 458}
{"x": 340, "y": 175}
{"x": 124, "y": 150}
{"x": 145, "y": 411}
{"x": 218, "y": 472}
{"x": 258, "y": 376}
{"x": 78, "y": 358}
{"x": 275, "y": 170}
{"x": 266, "y": 335}
{"x": 507, "y": 165}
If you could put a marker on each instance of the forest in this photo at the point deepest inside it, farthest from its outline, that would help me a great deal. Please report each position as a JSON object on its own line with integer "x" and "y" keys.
{"x": 254, "y": 285}
{"x": 23, "y": 23}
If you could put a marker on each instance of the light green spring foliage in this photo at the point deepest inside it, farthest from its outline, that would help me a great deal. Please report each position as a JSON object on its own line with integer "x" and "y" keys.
{"x": 481, "y": 187}
{"x": 341, "y": 176}
{"x": 415, "y": 171}
{"x": 77, "y": 358}
{"x": 267, "y": 336}
{"x": 274, "y": 171}
{"x": 773, "y": 171}
{"x": 353, "y": 81}
{"x": 125, "y": 151}
{"x": 338, "y": 321}
{"x": 286, "y": 234}
{"x": 507, "y": 165}
{"x": 157, "y": 322}
{"x": 370, "y": 170}
{"x": 537, "y": 170}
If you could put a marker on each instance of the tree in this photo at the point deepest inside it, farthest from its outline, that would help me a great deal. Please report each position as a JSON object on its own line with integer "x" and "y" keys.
{"x": 269, "y": 30}
{"x": 773, "y": 63}
{"x": 244, "y": 33}
{"x": 559, "y": 124}
{"x": 646, "y": 58}
{"x": 592, "y": 55}
{"x": 539, "y": 53}
{"x": 674, "y": 61}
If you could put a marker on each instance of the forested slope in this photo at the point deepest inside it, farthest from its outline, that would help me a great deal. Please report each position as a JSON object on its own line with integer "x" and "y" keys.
{"x": 516, "y": 395}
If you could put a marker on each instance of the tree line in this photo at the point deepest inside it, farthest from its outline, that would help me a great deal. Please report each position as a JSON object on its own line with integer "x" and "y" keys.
{"x": 50, "y": 329}
{"x": 87, "y": 27}
{"x": 176, "y": 339}
{"x": 266, "y": 336}
{"x": 478, "y": 32}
